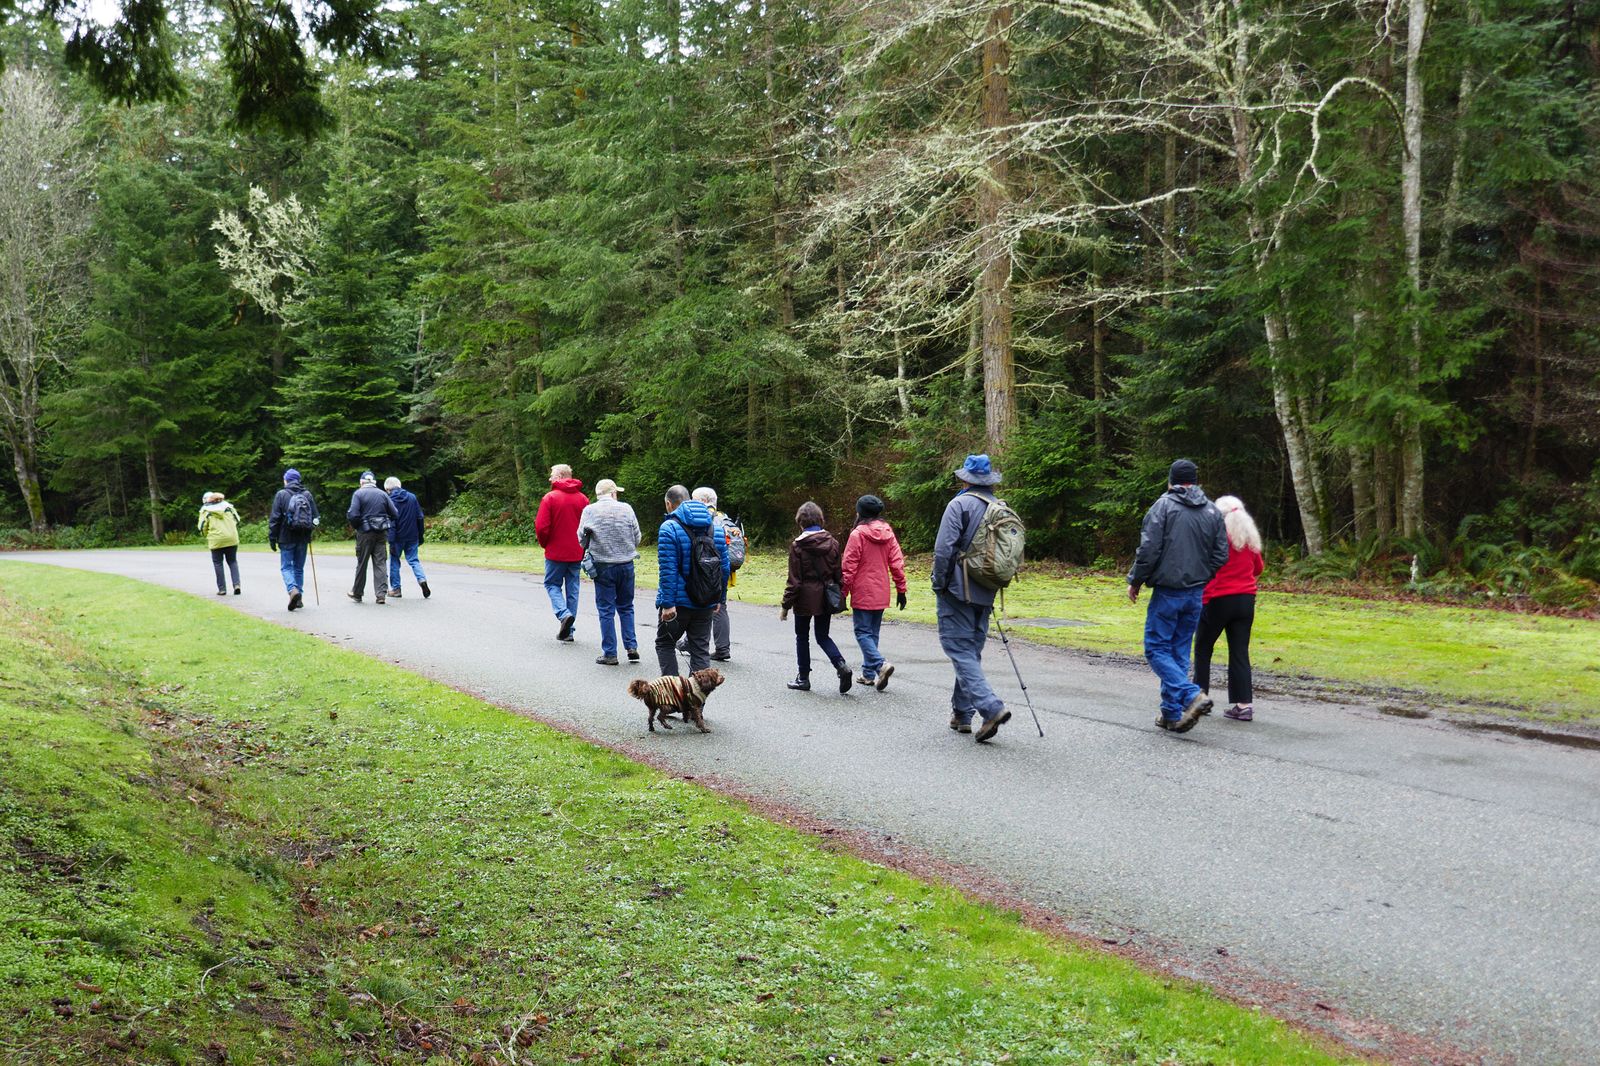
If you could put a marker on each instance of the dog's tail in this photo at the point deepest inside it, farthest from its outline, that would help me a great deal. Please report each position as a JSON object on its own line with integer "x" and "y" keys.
{"x": 638, "y": 688}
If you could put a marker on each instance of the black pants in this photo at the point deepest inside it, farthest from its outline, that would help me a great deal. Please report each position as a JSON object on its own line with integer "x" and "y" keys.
{"x": 372, "y": 548}
{"x": 802, "y": 641}
{"x": 1232, "y": 615}
{"x": 230, "y": 553}
{"x": 692, "y": 623}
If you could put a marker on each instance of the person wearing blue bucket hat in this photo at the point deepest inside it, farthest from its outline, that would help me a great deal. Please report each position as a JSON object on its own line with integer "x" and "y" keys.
{"x": 964, "y": 607}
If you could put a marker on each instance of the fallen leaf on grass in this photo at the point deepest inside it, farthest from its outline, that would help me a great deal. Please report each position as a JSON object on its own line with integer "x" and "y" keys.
{"x": 85, "y": 986}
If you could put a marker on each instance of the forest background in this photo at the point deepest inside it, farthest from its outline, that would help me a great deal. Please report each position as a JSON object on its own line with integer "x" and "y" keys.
{"x": 1345, "y": 255}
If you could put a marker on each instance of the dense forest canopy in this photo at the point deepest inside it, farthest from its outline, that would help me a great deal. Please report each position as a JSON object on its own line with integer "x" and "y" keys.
{"x": 1344, "y": 254}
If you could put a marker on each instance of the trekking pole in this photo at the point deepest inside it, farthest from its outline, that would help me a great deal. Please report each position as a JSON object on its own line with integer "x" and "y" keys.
{"x": 1005, "y": 643}
{"x": 315, "y": 588}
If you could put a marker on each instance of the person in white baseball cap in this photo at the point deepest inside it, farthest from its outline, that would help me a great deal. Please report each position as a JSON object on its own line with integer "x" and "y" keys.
{"x": 609, "y": 534}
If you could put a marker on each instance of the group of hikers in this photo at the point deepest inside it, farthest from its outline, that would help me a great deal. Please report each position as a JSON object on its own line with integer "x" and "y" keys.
{"x": 1199, "y": 559}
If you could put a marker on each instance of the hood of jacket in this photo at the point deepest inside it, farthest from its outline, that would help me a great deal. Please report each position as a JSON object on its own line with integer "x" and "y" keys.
{"x": 878, "y": 531}
{"x": 568, "y": 484}
{"x": 216, "y": 508}
{"x": 693, "y": 514}
{"x": 815, "y": 542}
{"x": 1189, "y": 495}
{"x": 398, "y": 496}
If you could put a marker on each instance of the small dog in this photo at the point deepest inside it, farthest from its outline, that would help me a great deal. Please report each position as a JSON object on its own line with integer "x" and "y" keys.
{"x": 676, "y": 695}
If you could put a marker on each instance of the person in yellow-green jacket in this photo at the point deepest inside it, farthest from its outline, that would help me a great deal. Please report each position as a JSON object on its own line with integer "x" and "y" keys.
{"x": 220, "y": 523}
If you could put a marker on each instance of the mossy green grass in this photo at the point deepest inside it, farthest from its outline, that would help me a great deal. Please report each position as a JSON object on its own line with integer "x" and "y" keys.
{"x": 229, "y": 841}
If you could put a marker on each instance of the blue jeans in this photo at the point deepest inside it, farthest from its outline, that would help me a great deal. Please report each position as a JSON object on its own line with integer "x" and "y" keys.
{"x": 963, "y": 630}
{"x": 613, "y": 598}
{"x": 292, "y": 562}
{"x": 868, "y": 624}
{"x": 1169, "y": 625}
{"x": 410, "y": 552}
{"x": 561, "y": 582}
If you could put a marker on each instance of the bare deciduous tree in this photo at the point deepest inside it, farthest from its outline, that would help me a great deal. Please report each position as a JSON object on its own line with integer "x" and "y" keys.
{"x": 45, "y": 172}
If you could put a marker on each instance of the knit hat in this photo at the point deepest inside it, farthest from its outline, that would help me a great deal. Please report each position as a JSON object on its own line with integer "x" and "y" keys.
{"x": 977, "y": 471}
{"x": 1183, "y": 472}
{"x": 291, "y": 476}
{"x": 869, "y": 506}
{"x": 369, "y": 478}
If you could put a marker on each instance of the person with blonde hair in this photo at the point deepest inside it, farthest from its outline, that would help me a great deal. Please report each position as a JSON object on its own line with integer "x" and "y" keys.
{"x": 220, "y": 524}
{"x": 1228, "y": 605}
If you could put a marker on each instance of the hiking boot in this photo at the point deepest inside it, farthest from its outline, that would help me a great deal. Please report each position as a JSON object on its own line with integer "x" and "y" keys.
{"x": 883, "y": 677}
{"x": 958, "y": 725}
{"x": 801, "y": 684}
{"x": 565, "y": 632}
{"x": 295, "y": 600}
{"x": 236, "y": 590}
{"x": 1169, "y": 724}
{"x": 1240, "y": 714}
{"x": 1198, "y": 707}
{"x": 379, "y": 601}
{"x": 426, "y": 591}
{"x": 721, "y": 657}
{"x": 607, "y": 660}
{"x": 845, "y": 680}
{"x": 866, "y": 682}
{"x": 353, "y": 596}
{"x": 633, "y": 655}
{"x": 395, "y": 592}
{"x": 991, "y": 726}
{"x": 222, "y": 592}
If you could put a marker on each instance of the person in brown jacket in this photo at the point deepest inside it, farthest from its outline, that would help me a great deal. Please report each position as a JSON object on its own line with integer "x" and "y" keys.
{"x": 813, "y": 566}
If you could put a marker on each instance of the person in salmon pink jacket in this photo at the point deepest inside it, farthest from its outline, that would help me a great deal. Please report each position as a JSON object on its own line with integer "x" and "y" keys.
{"x": 1229, "y": 606}
{"x": 872, "y": 557}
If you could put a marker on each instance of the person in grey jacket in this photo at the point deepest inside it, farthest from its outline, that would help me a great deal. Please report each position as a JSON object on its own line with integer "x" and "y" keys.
{"x": 608, "y": 532}
{"x": 371, "y": 514}
{"x": 1182, "y": 544}
{"x": 964, "y": 608}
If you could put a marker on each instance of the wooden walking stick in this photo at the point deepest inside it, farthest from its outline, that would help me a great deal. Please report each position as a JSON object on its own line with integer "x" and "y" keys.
{"x": 315, "y": 589}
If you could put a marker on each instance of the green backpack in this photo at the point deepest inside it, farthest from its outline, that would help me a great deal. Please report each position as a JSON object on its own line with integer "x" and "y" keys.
{"x": 995, "y": 554}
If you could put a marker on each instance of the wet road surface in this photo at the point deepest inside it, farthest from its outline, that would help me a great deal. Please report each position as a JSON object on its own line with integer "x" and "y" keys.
{"x": 1437, "y": 879}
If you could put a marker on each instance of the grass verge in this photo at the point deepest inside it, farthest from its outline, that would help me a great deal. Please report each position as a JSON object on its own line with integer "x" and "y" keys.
{"x": 232, "y": 842}
{"x": 1499, "y": 661}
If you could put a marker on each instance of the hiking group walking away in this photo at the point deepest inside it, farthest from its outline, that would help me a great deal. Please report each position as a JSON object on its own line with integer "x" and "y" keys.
{"x": 1200, "y": 560}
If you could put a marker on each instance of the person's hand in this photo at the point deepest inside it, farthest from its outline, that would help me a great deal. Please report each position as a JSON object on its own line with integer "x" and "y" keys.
{"x": 900, "y": 600}
{"x": 668, "y": 613}
{"x": 783, "y": 615}
{"x": 1133, "y": 593}
{"x": 273, "y": 545}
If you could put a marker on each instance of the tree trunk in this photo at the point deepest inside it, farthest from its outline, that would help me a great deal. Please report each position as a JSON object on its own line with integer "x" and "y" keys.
{"x": 1530, "y": 451}
{"x": 25, "y": 461}
{"x": 902, "y": 392}
{"x": 1383, "y": 489}
{"x": 156, "y": 526}
{"x": 994, "y": 251}
{"x": 1411, "y": 492}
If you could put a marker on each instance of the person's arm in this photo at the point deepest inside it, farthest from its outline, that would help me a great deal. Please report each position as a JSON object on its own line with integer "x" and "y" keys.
{"x": 541, "y": 522}
{"x": 851, "y": 561}
{"x": 1219, "y": 546}
{"x": 638, "y": 534}
{"x": 1152, "y": 541}
{"x": 791, "y": 590}
{"x": 420, "y": 516}
{"x": 1259, "y": 565}
{"x": 316, "y": 515}
{"x": 897, "y": 565}
{"x": 720, "y": 536}
{"x": 666, "y": 566}
{"x": 945, "y": 545}
{"x": 354, "y": 510}
{"x": 393, "y": 511}
{"x": 275, "y": 520}
{"x": 201, "y": 524}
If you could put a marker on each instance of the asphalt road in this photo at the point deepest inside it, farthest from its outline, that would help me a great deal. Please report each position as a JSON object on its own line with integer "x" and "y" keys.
{"x": 1421, "y": 875}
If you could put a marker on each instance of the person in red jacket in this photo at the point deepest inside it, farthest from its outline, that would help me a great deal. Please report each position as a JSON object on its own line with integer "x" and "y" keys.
{"x": 556, "y": 527}
{"x": 1229, "y": 606}
{"x": 871, "y": 557}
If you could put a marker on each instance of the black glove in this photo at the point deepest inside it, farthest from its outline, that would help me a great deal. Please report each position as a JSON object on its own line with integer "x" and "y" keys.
{"x": 272, "y": 544}
{"x": 900, "y": 599}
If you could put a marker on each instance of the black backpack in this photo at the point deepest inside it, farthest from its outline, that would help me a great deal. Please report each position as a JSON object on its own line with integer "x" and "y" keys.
{"x": 703, "y": 582}
{"x": 297, "y": 511}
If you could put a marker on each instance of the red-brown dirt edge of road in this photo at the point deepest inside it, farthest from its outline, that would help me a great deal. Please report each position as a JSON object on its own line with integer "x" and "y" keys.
{"x": 1317, "y": 1016}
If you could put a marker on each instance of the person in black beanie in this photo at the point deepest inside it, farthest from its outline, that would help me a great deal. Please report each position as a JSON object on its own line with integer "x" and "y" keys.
{"x": 1182, "y": 544}
{"x": 872, "y": 557}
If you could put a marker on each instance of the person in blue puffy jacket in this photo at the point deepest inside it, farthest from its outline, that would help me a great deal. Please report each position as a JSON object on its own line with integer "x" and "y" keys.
{"x": 680, "y": 613}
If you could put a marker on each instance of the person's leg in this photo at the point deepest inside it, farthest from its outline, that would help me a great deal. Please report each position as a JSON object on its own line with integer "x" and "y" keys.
{"x": 1160, "y": 620}
{"x": 286, "y": 567}
{"x": 298, "y": 554}
{"x": 605, "y": 605}
{"x": 802, "y": 646}
{"x": 968, "y": 628}
{"x": 574, "y": 581}
{"x": 216, "y": 566}
{"x": 622, "y": 593}
{"x": 363, "y": 553}
{"x": 394, "y": 568}
{"x": 231, "y": 555}
{"x": 698, "y": 629}
{"x": 667, "y": 634}
{"x": 415, "y": 562}
{"x": 866, "y": 640}
{"x": 985, "y": 700}
{"x": 950, "y": 641}
{"x": 1241, "y": 686}
{"x": 823, "y": 623}
{"x": 555, "y": 586}
{"x": 1183, "y": 640}
{"x": 721, "y": 642}
{"x": 1205, "y": 642}
{"x": 380, "y": 566}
